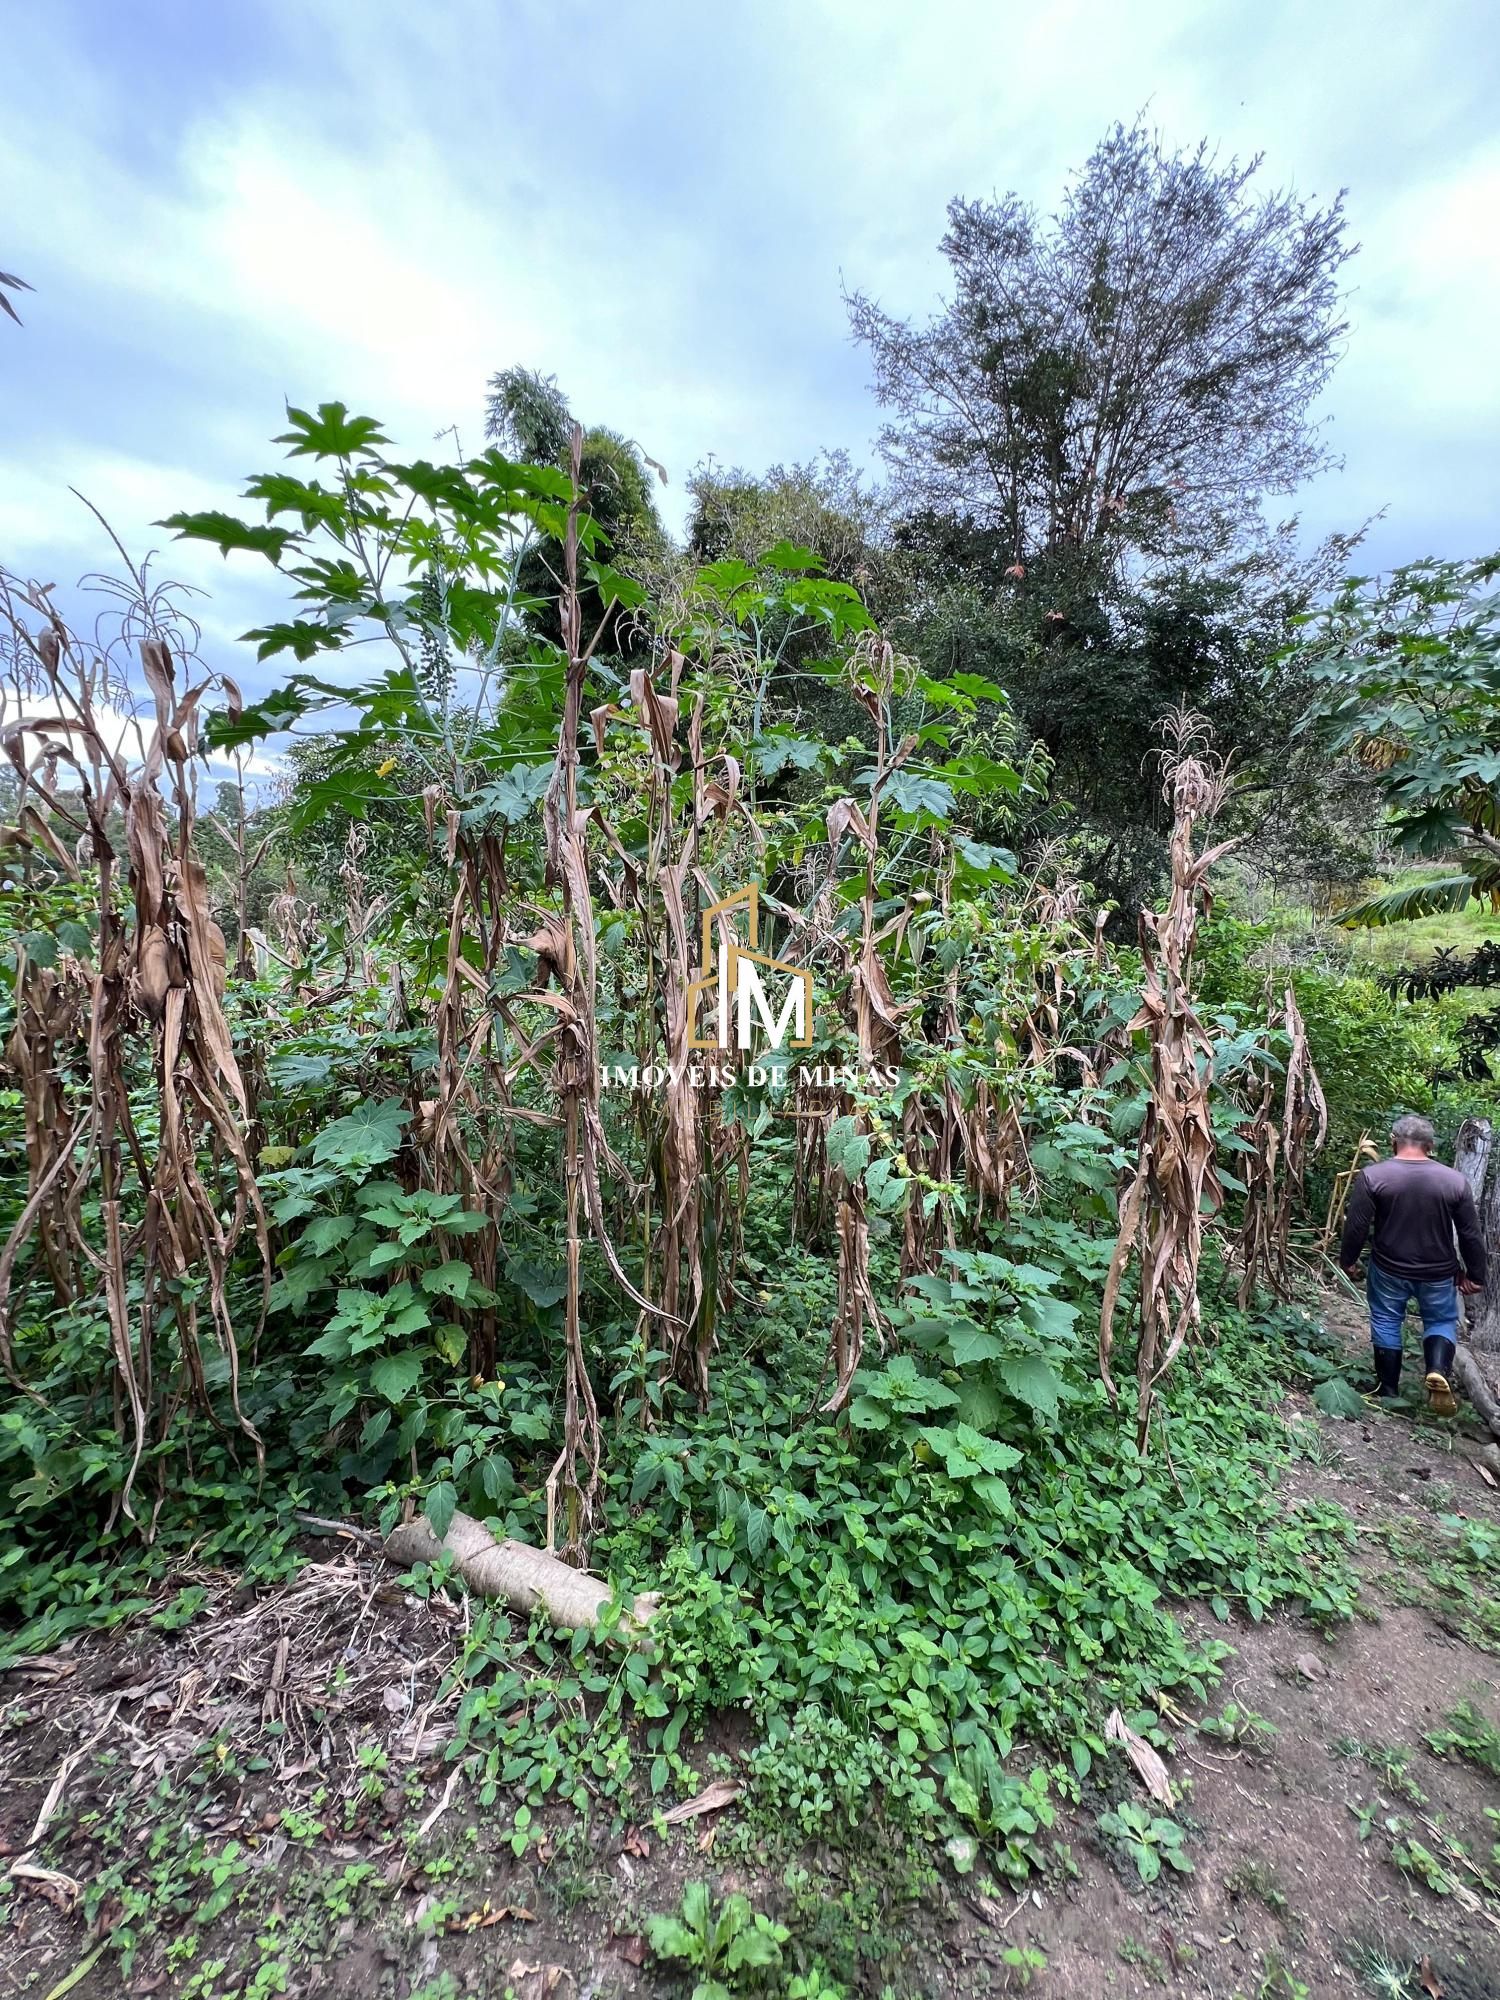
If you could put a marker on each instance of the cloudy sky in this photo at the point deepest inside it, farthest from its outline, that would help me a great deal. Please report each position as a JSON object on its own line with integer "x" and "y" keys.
{"x": 226, "y": 206}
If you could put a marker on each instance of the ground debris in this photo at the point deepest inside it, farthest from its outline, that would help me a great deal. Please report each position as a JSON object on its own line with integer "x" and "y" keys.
{"x": 540, "y": 1982}
{"x": 713, "y": 1798}
{"x": 1149, "y": 1767}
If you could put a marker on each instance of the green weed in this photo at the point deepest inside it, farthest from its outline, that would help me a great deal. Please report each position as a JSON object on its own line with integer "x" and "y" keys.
{"x": 1146, "y": 1838}
{"x": 1240, "y": 1727}
{"x": 1472, "y": 1735}
{"x": 726, "y": 1944}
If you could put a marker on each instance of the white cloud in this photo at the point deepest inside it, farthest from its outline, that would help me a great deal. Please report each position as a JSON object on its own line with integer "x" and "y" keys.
{"x": 387, "y": 203}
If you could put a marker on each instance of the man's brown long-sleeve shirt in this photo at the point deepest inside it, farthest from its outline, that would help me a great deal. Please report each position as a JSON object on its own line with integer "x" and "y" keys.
{"x": 1415, "y": 1206}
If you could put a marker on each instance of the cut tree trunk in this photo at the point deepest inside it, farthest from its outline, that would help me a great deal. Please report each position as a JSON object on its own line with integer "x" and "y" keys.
{"x": 1473, "y": 1156}
{"x": 1476, "y": 1385}
{"x": 1471, "y": 1153}
{"x": 517, "y": 1575}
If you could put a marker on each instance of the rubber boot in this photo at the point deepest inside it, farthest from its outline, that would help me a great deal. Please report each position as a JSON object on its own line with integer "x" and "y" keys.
{"x": 1387, "y": 1372}
{"x": 1437, "y": 1356}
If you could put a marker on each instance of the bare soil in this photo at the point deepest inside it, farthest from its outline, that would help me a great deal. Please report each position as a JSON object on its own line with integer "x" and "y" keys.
{"x": 212, "y": 1731}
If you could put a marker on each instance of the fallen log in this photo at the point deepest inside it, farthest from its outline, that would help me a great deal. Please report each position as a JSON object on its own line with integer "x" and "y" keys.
{"x": 518, "y": 1575}
{"x": 1472, "y": 1379}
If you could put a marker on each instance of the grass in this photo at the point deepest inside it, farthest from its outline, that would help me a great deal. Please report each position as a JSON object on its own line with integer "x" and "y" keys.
{"x": 1410, "y": 943}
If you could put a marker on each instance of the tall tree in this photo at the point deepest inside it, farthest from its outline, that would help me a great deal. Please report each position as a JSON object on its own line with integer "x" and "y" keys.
{"x": 528, "y": 417}
{"x": 824, "y": 505}
{"x": 1133, "y": 371}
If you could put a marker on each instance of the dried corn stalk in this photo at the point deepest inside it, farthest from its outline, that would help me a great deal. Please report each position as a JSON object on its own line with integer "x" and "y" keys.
{"x": 1338, "y": 1199}
{"x": 574, "y": 1478}
{"x": 876, "y": 1015}
{"x": 156, "y": 991}
{"x": 1174, "y": 1180}
{"x": 1257, "y": 1226}
{"x": 1282, "y": 1151}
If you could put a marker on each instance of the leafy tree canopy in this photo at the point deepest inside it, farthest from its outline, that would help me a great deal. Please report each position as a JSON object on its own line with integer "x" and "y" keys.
{"x": 528, "y": 418}
{"x": 1410, "y": 685}
{"x": 1136, "y": 370}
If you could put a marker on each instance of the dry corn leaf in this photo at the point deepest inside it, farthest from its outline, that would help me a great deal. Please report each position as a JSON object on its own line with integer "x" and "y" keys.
{"x": 1149, "y": 1767}
{"x": 713, "y": 1798}
{"x": 540, "y": 1982}
{"x": 485, "y": 1918}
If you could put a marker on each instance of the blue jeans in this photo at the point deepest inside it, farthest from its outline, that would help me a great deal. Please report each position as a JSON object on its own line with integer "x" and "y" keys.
{"x": 1436, "y": 1300}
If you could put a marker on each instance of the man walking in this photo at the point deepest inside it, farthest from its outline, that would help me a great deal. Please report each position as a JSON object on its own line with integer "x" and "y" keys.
{"x": 1416, "y": 1205}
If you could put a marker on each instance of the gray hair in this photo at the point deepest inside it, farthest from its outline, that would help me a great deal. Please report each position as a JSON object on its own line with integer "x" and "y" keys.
{"x": 1410, "y": 1130}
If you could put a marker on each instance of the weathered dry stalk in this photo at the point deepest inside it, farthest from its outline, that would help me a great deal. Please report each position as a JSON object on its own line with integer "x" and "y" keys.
{"x": 1338, "y": 1199}
{"x": 1257, "y": 1250}
{"x": 1174, "y": 1180}
{"x": 1304, "y": 1133}
{"x": 236, "y": 836}
{"x": 876, "y": 1015}
{"x": 574, "y": 1477}
{"x": 156, "y": 990}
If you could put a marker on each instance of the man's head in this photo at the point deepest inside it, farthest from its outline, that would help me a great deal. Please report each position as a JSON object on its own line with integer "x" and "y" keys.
{"x": 1412, "y": 1136}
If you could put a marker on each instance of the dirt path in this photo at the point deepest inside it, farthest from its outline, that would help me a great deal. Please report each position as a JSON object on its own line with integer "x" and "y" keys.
{"x": 1290, "y": 1870}
{"x": 1328, "y": 1844}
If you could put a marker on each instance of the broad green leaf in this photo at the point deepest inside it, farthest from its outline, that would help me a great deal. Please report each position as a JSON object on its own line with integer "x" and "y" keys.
{"x": 994, "y": 1492}
{"x": 543, "y": 1284}
{"x": 442, "y": 1503}
{"x": 227, "y": 533}
{"x": 777, "y": 752}
{"x": 969, "y": 1345}
{"x": 977, "y": 688}
{"x": 840, "y": 1133}
{"x": 1338, "y": 1398}
{"x": 910, "y": 792}
{"x": 299, "y": 1072}
{"x": 284, "y": 493}
{"x": 754, "y": 1947}
{"x": 512, "y": 795}
{"x": 671, "y": 1939}
{"x": 301, "y": 637}
{"x": 1050, "y": 1317}
{"x": 496, "y": 1476}
{"x": 979, "y": 1404}
{"x": 302, "y": 695}
{"x": 450, "y": 1281}
{"x": 790, "y": 558}
{"x": 332, "y": 433}
{"x": 1032, "y": 1381}
{"x": 394, "y": 1376}
{"x": 40, "y": 948}
{"x": 327, "y": 1233}
{"x": 983, "y": 859}
{"x": 368, "y": 1137}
